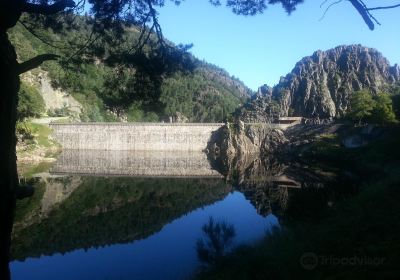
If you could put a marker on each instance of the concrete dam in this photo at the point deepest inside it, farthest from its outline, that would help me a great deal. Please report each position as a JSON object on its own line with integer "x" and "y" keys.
{"x": 136, "y": 149}
{"x": 135, "y": 136}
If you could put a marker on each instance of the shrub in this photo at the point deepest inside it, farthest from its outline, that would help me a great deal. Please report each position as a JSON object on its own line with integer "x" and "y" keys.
{"x": 361, "y": 105}
{"x": 383, "y": 110}
{"x": 30, "y": 103}
{"x": 377, "y": 109}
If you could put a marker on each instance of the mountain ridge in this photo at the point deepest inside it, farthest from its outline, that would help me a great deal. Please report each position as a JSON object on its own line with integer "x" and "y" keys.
{"x": 320, "y": 85}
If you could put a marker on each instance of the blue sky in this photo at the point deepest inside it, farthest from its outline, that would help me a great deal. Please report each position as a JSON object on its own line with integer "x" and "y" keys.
{"x": 258, "y": 50}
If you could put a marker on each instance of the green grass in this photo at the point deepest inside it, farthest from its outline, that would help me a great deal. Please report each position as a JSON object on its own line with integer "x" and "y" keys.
{"x": 41, "y": 134}
{"x": 35, "y": 140}
{"x": 28, "y": 170}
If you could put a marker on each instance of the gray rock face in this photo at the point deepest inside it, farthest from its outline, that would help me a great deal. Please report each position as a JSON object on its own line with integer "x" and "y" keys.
{"x": 261, "y": 109}
{"x": 320, "y": 85}
{"x": 236, "y": 146}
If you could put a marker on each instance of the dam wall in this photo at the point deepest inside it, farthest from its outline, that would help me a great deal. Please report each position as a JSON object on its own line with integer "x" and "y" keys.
{"x": 135, "y": 136}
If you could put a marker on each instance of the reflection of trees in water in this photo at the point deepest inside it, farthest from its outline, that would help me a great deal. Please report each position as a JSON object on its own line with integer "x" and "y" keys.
{"x": 218, "y": 240}
{"x": 103, "y": 211}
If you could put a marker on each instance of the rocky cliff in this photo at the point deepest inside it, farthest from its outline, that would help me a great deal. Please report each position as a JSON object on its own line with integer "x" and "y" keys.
{"x": 236, "y": 146}
{"x": 320, "y": 85}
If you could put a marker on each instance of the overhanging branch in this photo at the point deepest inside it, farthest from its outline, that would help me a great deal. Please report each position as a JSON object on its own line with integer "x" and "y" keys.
{"x": 364, "y": 13}
{"x": 35, "y": 62}
{"x": 47, "y": 9}
{"x": 156, "y": 25}
{"x": 384, "y": 8}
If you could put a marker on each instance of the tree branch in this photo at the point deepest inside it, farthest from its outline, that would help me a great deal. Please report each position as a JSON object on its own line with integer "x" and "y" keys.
{"x": 156, "y": 25}
{"x": 363, "y": 12}
{"x": 383, "y": 8}
{"x": 327, "y": 9}
{"x": 37, "y": 36}
{"x": 47, "y": 9}
{"x": 35, "y": 62}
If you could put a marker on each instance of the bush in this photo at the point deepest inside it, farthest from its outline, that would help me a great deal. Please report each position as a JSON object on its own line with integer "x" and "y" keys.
{"x": 151, "y": 117}
{"x": 377, "y": 109}
{"x": 30, "y": 103}
{"x": 135, "y": 113}
{"x": 396, "y": 104}
{"x": 383, "y": 110}
{"x": 24, "y": 134}
{"x": 361, "y": 106}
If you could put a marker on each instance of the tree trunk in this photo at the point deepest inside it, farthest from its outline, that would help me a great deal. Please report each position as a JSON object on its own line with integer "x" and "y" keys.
{"x": 10, "y": 12}
{"x": 9, "y": 87}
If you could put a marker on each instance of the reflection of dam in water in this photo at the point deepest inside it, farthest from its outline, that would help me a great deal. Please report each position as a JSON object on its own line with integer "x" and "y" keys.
{"x": 134, "y": 163}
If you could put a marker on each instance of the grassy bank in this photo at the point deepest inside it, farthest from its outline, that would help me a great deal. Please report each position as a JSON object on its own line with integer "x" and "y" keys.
{"x": 356, "y": 238}
{"x": 35, "y": 144}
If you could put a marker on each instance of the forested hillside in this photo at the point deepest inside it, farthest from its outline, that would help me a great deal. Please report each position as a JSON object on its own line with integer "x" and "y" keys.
{"x": 147, "y": 88}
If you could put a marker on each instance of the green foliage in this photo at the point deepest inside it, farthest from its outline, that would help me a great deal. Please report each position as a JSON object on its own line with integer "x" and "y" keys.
{"x": 361, "y": 105}
{"x": 201, "y": 96}
{"x": 151, "y": 117}
{"x": 93, "y": 108}
{"x": 27, "y": 170}
{"x": 30, "y": 102}
{"x": 41, "y": 134}
{"x": 59, "y": 112}
{"x": 24, "y": 134}
{"x": 366, "y": 107}
{"x": 135, "y": 113}
{"x": 383, "y": 110}
{"x": 34, "y": 136}
{"x": 396, "y": 105}
{"x": 108, "y": 83}
{"x": 394, "y": 91}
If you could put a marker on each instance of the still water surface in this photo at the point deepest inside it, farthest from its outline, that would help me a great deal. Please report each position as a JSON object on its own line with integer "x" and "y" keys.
{"x": 142, "y": 224}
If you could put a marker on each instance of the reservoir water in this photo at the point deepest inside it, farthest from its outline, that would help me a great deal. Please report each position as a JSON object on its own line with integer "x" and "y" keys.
{"x": 126, "y": 215}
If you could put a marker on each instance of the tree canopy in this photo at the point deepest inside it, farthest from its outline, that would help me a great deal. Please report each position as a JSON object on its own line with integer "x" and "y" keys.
{"x": 361, "y": 105}
{"x": 142, "y": 14}
{"x": 364, "y": 106}
{"x": 383, "y": 110}
{"x": 139, "y": 11}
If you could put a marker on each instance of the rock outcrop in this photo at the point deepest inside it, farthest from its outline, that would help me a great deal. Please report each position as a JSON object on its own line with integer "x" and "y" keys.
{"x": 239, "y": 145}
{"x": 320, "y": 86}
{"x": 55, "y": 99}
